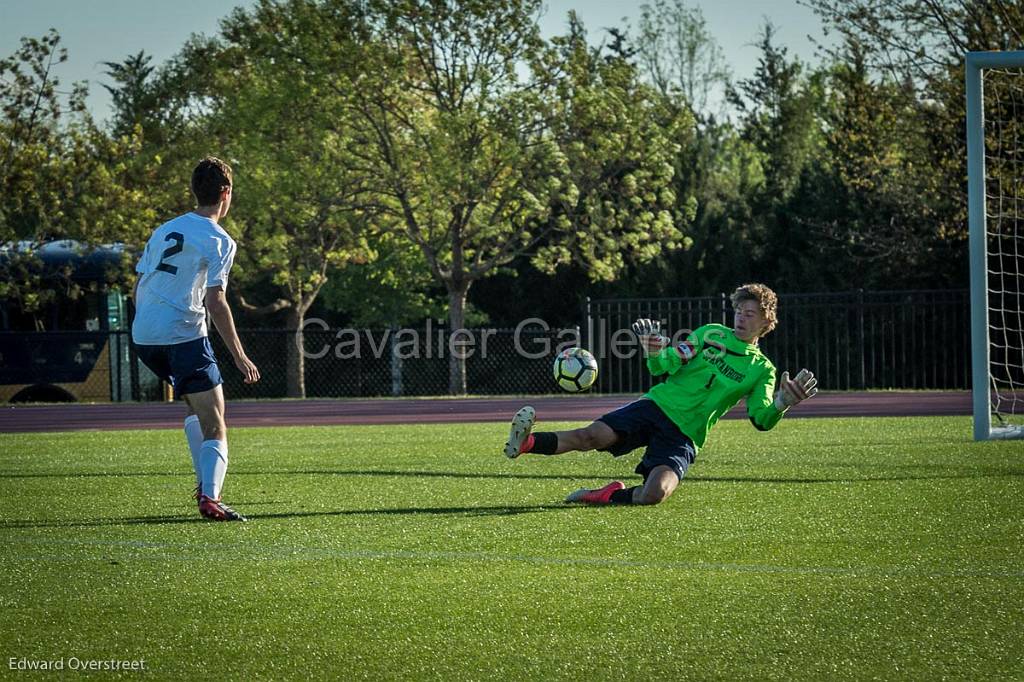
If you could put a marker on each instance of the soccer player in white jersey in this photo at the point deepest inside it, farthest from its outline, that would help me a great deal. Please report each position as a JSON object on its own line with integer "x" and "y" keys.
{"x": 183, "y": 274}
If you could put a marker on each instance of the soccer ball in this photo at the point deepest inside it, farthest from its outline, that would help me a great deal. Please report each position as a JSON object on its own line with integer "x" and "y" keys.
{"x": 575, "y": 370}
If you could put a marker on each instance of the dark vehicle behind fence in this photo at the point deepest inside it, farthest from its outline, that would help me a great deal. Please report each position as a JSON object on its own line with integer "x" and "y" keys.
{"x": 76, "y": 345}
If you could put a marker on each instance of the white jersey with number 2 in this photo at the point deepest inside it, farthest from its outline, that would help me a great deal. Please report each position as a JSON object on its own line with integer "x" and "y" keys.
{"x": 182, "y": 258}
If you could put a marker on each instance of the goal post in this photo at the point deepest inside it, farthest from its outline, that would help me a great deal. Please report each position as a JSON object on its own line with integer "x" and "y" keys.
{"x": 995, "y": 166}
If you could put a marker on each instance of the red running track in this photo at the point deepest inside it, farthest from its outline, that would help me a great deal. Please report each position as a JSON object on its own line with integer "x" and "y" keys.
{"x": 77, "y": 417}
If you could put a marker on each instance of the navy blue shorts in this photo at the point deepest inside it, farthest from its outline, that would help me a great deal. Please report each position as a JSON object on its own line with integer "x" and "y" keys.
{"x": 642, "y": 423}
{"x": 189, "y": 367}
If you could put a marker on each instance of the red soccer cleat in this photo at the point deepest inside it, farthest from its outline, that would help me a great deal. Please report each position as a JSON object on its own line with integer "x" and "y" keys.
{"x": 215, "y": 510}
{"x": 598, "y": 496}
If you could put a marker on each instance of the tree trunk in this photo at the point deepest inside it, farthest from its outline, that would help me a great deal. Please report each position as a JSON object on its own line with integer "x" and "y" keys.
{"x": 295, "y": 359}
{"x": 456, "y": 322}
{"x": 396, "y": 363}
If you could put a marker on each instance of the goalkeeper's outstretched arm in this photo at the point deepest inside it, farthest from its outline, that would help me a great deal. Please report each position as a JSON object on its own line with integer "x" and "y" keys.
{"x": 794, "y": 391}
{"x": 766, "y": 405}
{"x": 661, "y": 357}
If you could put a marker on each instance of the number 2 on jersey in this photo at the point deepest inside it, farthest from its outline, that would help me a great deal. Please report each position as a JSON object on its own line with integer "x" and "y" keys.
{"x": 179, "y": 244}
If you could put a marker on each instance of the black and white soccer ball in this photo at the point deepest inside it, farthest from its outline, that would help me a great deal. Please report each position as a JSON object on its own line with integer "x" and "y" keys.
{"x": 575, "y": 370}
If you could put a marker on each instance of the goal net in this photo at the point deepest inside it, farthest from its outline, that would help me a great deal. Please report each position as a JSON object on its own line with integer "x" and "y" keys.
{"x": 995, "y": 151}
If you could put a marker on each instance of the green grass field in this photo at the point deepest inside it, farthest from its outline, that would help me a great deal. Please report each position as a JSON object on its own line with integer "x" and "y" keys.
{"x": 827, "y": 548}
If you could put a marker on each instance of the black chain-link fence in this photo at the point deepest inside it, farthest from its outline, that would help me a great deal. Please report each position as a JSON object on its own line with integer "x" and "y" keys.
{"x": 393, "y": 362}
{"x": 854, "y": 340}
{"x": 850, "y": 340}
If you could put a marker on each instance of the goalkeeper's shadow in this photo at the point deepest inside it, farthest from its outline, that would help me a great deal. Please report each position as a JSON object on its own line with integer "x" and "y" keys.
{"x": 405, "y": 473}
{"x": 495, "y": 510}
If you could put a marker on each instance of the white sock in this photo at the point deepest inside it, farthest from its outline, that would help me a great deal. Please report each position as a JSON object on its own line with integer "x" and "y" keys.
{"x": 194, "y": 436}
{"x": 213, "y": 463}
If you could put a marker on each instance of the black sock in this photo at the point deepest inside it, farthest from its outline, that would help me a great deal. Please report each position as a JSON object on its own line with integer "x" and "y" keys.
{"x": 545, "y": 443}
{"x": 624, "y": 496}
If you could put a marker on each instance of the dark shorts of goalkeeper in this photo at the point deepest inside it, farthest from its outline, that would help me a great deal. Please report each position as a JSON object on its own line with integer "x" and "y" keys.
{"x": 642, "y": 424}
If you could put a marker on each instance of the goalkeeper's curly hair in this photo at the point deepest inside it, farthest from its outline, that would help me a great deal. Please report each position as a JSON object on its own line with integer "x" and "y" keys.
{"x": 764, "y": 297}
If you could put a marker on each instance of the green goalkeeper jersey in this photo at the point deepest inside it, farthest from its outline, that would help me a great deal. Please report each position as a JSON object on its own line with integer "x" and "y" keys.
{"x": 715, "y": 371}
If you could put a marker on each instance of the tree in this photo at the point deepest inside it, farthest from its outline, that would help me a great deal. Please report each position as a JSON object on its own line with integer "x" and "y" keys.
{"x": 679, "y": 55}
{"x": 33, "y": 151}
{"x": 302, "y": 207}
{"x": 919, "y": 45}
{"x": 482, "y": 167}
{"x": 394, "y": 289}
{"x": 875, "y": 202}
{"x": 777, "y": 110}
{"x": 923, "y": 40}
{"x": 134, "y": 99}
{"x": 779, "y": 115}
{"x": 61, "y": 176}
{"x": 483, "y": 143}
{"x": 718, "y": 167}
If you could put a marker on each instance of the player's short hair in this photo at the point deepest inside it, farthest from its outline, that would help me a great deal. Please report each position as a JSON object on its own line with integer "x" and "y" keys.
{"x": 765, "y": 299}
{"x": 209, "y": 178}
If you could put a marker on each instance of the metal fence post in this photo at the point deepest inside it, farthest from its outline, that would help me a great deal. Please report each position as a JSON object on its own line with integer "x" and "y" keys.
{"x": 589, "y": 325}
{"x": 860, "y": 340}
{"x": 133, "y": 368}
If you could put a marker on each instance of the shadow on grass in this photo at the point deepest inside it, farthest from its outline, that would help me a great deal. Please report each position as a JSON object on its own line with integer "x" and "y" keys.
{"x": 314, "y": 472}
{"x": 434, "y": 474}
{"x": 937, "y": 473}
{"x": 501, "y": 510}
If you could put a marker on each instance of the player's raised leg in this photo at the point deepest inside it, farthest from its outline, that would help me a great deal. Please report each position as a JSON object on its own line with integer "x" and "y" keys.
{"x": 522, "y": 439}
{"x": 521, "y": 432}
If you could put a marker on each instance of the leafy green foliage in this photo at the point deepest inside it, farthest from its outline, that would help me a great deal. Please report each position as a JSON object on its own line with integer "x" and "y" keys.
{"x": 133, "y": 96}
{"x": 470, "y": 161}
{"x": 61, "y": 176}
{"x": 619, "y": 141}
{"x": 875, "y": 209}
{"x": 413, "y": 149}
{"x": 916, "y": 48}
{"x": 395, "y": 289}
{"x": 680, "y": 56}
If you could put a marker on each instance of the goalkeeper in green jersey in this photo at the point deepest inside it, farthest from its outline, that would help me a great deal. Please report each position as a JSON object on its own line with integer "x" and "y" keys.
{"x": 708, "y": 374}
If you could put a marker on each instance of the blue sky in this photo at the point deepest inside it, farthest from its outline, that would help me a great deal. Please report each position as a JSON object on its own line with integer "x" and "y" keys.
{"x": 95, "y": 31}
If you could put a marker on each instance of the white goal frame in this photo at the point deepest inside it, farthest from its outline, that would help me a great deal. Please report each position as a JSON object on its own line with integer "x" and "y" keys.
{"x": 974, "y": 64}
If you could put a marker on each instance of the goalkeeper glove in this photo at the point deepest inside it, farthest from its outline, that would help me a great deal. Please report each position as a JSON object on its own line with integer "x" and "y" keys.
{"x": 648, "y": 332}
{"x": 794, "y": 391}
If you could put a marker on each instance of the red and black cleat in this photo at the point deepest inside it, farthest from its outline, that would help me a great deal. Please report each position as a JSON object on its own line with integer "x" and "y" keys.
{"x": 598, "y": 496}
{"x": 215, "y": 510}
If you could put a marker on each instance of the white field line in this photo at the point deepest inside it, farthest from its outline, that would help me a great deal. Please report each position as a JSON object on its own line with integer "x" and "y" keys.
{"x": 183, "y": 552}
